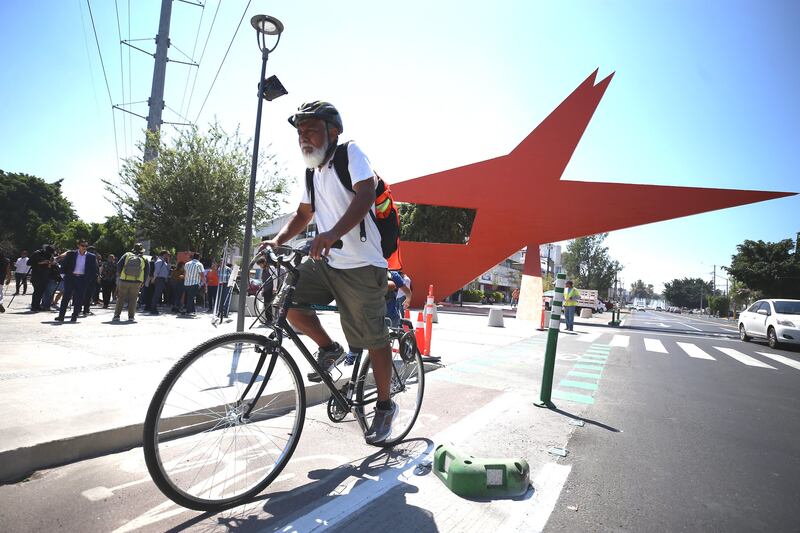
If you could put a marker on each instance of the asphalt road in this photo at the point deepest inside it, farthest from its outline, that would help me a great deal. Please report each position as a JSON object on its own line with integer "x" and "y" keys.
{"x": 693, "y": 430}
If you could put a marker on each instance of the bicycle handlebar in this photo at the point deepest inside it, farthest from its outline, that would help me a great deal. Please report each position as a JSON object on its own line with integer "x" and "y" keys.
{"x": 289, "y": 254}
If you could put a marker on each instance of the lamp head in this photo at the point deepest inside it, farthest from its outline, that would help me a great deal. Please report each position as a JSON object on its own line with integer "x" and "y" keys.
{"x": 267, "y": 25}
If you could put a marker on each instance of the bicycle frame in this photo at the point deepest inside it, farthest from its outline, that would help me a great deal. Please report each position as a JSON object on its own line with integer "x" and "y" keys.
{"x": 281, "y": 328}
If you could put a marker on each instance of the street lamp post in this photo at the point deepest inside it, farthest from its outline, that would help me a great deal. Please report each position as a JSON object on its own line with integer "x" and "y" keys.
{"x": 268, "y": 89}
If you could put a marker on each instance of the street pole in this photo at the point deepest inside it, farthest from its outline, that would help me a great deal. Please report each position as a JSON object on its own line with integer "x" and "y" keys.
{"x": 268, "y": 89}
{"x": 244, "y": 275}
{"x": 552, "y": 343}
{"x": 156, "y": 100}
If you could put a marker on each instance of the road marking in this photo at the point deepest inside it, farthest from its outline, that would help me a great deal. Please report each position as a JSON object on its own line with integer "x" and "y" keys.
{"x": 578, "y": 374}
{"x": 620, "y": 340}
{"x": 589, "y": 367}
{"x": 654, "y": 345}
{"x": 340, "y": 508}
{"x": 572, "y": 397}
{"x": 688, "y": 326}
{"x": 548, "y": 483}
{"x": 577, "y": 384}
{"x": 602, "y": 357}
{"x": 742, "y": 358}
{"x": 663, "y": 325}
{"x": 781, "y": 359}
{"x": 694, "y": 351}
{"x": 591, "y": 337}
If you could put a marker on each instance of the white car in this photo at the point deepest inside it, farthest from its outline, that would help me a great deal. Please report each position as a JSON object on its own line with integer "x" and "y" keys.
{"x": 776, "y": 320}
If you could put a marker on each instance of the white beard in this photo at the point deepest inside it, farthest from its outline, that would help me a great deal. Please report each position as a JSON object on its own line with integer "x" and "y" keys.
{"x": 314, "y": 158}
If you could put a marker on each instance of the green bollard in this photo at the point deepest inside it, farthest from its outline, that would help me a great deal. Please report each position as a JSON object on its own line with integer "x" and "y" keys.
{"x": 473, "y": 477}
{"x": 552, "y": 342}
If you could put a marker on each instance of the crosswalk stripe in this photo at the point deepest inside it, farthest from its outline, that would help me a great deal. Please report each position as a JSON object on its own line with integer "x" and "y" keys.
{"x": 742, "y": 358}
{"x": 589, "y": 367}
{"x": 591, "y": 337}
{"x": 571, "y": 383}
{"x": 620, "y": 340}
{"x": 572, "y": 396}
{"x": 781, "y": 359}
{"x": 579, "y": 374}
{"x": 654, "y": 345}
{"x": 694, "y": 351}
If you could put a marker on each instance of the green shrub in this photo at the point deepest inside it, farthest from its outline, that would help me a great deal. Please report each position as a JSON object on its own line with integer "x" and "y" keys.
{"x": 472, "y": 295}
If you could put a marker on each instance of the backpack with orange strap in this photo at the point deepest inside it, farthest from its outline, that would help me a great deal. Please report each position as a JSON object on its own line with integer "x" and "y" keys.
{"x": 385, "y": 217}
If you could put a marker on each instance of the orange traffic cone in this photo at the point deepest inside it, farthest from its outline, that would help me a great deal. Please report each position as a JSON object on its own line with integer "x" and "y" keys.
{"x": 419, "y": 331}
{"x": 541, "y": 326}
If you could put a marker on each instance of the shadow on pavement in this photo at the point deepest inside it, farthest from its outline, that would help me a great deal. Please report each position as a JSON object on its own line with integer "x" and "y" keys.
{"x": 289, "y": 507}
{"x": 587, "y": 420}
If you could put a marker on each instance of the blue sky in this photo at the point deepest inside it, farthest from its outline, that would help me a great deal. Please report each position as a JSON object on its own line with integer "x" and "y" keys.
{"x": 704, "y": 95}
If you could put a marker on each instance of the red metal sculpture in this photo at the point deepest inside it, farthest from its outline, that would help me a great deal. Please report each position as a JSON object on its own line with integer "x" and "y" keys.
{"x": 531, "y": 173}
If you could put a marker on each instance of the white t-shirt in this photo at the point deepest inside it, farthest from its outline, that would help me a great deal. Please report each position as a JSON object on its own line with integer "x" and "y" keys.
{"x": 22, "y": 265}
{"x": 331, "y": 200}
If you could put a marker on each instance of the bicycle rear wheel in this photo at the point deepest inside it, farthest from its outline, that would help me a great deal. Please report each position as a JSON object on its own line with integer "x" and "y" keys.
{"x": 407, "y": 387}
{"x": 201, "y": 448}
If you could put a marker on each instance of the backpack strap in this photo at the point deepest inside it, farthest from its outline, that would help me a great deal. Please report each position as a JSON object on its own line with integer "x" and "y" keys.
{"x": 341, "y": 164}
{"x": 310, "y": 186}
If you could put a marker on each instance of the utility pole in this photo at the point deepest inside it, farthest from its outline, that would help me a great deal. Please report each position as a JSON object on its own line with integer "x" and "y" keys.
{"x": 714, "y": 280}
{"x": 156, "y": 100}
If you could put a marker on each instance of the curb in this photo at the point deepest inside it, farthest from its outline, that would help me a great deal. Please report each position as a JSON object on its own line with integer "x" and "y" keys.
{"x": 19, "y": 464}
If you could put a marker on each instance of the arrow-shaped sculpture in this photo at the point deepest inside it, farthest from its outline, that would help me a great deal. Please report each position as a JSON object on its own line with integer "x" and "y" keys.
{"x": 524, "y": 183}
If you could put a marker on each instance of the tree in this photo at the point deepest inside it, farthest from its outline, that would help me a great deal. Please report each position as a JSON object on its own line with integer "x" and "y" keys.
{"x": 26, "y": 203}
{"x": 642, "y": 291}
{"x": 194, "y": 195}
{"x": 117, "y": 236}
{"x": 767, "y": 269}
{"x": 588, "y": 264}
{"x": 431, "y": 223}
{"x": 687, "y": 292}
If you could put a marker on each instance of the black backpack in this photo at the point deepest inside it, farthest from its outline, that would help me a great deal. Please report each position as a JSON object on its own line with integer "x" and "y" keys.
{"x": 385, "y": 217}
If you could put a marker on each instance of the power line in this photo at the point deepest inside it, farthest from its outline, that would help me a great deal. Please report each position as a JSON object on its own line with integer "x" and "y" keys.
{"x": 108, "y": 89}
{"x": 122, "y": 81}
{"x": 88, "y": 56}
{"x": 130, "y": 72}
{"x": 223, "y": 60}
{"x": 202, "y": 55}
{"x": 194, "y": 49}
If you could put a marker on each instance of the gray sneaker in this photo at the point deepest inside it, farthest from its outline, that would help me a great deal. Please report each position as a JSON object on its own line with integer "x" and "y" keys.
{"x": 381, "y": 425}
{"x": 327, "y": 359}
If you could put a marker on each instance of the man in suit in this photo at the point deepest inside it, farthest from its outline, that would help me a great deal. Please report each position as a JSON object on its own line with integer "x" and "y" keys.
{"x": 79, "y": 267}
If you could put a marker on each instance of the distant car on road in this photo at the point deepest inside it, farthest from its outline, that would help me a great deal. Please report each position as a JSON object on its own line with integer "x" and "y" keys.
{"x": 776, "y": 320}
{"x": 658, "y": 308}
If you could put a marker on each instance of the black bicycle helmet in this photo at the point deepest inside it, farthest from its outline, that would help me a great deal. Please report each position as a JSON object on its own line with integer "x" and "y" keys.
{"x": 318, "y": 109}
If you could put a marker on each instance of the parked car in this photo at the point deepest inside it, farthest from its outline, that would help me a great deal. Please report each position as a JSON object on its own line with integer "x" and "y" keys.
{"x": 776, "y": 320}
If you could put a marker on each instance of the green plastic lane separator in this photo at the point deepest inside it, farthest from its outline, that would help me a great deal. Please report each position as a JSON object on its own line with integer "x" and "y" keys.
{"x": 577, "y": 384}
{"x": 478, "y": 477}
{"x": 573, "y": 397}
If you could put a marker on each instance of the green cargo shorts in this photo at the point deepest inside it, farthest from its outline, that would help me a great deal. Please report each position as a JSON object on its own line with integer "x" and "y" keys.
{"x": 360, "y": 295}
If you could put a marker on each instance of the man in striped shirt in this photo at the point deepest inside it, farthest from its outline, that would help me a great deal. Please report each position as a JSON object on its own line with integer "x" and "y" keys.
{"x": 192, "y": 282}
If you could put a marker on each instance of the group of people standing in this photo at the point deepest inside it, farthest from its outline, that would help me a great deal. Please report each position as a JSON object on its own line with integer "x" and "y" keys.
{"x": 79, "y": 276}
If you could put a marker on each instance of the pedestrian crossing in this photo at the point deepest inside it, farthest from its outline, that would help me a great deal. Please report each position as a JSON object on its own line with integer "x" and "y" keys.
{"x": 592, "y": 358}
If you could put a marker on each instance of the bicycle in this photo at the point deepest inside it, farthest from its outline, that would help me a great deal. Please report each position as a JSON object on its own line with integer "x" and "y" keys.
{"x": 226, "y": 418}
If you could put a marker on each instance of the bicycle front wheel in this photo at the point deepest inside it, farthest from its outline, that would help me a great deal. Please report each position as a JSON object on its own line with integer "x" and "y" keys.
{"x": 224, "y": 421}
{"x": 406, "y": 387}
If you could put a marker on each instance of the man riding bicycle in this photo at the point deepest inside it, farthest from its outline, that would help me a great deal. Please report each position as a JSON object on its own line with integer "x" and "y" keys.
{"x": 355, "y": 275}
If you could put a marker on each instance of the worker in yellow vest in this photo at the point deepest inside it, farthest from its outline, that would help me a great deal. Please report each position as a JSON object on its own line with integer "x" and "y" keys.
{"x": 571, "y": 297}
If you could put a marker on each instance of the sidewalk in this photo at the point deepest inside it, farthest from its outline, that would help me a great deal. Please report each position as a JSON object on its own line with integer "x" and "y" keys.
{"x": 74, "y": 391}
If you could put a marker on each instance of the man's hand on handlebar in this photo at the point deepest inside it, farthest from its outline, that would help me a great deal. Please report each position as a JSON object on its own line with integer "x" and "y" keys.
{"x": 272, "y": 243}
